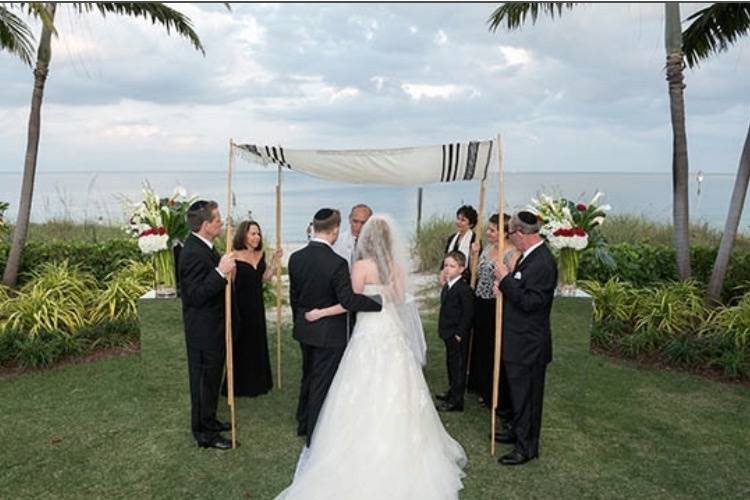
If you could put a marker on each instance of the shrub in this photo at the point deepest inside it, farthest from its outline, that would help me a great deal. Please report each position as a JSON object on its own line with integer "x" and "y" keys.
{"x": 118, "y": 300}
{"x": 99, "y": 259}
{"x": 429, "y": 243}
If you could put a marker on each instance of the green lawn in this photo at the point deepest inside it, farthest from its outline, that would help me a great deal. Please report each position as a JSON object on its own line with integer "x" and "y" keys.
{"x": 119, "y": 428}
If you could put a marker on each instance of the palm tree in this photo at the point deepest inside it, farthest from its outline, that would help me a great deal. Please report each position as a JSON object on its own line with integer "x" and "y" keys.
{"x": 15, "y": 37}
{"x": 514, "y": 15}
{"x": 712, "y": 30}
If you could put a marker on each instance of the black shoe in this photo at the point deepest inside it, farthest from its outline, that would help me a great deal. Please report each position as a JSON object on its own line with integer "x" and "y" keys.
{"x": 505, "y": 437}
{"x": 446, "y": 406}
{"x": 301, "y": 432}
{"x": 220, "y": 443}
{"x": 442, "y": 397}
{"x": 218, "y": 426}
{"x": 514, "y": 458}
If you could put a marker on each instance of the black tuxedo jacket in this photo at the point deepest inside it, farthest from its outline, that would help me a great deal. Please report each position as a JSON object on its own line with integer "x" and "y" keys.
{"x": 456, "y": 310}
{"x": 527, "y": 302}
{"x": 319, "y": 278}
{"x": 202, "y": 293}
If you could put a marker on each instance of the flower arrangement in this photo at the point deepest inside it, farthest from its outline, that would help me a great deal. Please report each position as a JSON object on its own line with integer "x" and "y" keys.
{"x": 160, "y": 224}
{"x": 570, "y": 227}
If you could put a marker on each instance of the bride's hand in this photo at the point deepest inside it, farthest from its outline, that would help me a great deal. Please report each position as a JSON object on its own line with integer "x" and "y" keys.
{"x": 313, "y": 315}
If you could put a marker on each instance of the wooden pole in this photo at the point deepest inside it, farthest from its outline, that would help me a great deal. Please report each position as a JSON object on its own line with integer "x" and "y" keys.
{"x": 278, "y": 280}
{"x": 499, "y": 302}
{"x": 419, "y": 209}
{"x": 228, "y": 301}
{"x": 474, "y": 263}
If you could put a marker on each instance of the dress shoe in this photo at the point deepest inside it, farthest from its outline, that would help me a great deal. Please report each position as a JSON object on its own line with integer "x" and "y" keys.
{"x": 442, "y": 397}
{"x": 514, "y": 458}
{"x": 505, "y": 437}
{"x": 446, "y": 406}
{"x": 220, "y": 443}
{"x": 301, "y": 432}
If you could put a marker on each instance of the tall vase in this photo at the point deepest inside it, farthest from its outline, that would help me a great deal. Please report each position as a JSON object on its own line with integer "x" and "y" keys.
{"x": 567, "y": 271}
{"x": 164, "y": 275}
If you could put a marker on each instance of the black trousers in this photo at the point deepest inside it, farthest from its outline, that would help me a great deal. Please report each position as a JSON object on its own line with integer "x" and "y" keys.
{"x": 205, "y": 371}
{"x": 526, "y": 386}
{"x": 322, "y": 365}
{"x": 455, "y": 360}
{"x": 304, "y": 389}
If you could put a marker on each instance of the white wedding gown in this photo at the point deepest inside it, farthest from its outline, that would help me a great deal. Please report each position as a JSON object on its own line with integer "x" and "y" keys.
{"x": 378, "y": 435}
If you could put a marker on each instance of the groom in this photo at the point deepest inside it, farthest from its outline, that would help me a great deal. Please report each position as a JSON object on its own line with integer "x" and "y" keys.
{"x": 319, "y": 278}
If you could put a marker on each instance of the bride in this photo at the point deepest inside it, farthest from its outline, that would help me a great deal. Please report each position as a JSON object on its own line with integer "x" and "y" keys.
{"x": 378, "y": 435}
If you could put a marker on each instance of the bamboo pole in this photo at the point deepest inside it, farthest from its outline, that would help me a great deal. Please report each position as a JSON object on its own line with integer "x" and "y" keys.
{"x": 278, "y": 280}
{"x": 499, "y": 302}
{"x": 474, "y": 264}
{"x": 228, "y": 301}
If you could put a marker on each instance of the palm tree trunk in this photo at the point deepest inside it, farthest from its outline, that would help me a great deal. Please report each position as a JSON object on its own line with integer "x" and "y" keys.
{"x": 716, "y": 283}
{"x": 44, "y": 54}
{"x": 675, "y": 78}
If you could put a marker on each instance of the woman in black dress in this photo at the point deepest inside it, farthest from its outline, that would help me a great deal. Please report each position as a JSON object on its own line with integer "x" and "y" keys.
{"x": 252, "y": 365}
{"x": 483, "y": 343}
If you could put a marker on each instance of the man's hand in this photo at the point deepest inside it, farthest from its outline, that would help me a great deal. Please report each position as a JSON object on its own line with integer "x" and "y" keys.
{"x": 475, "y": 247}
{"x": 313, "y": 315}
{"x": 501, "y": 271}
{"x": 227, "y": 264}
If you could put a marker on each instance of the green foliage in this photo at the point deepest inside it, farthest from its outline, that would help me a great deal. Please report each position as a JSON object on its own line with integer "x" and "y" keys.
{"x": 429, "y": 244}
{"x": 672, "y": 322}
{"x": 99, "y": 259}
{"x": 56, "y": 299}
{"x": 116, "y": 300}
{"x": 61, "y": 311}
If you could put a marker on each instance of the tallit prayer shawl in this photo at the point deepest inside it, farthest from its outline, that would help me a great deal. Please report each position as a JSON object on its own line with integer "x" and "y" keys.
{"x": 458, "y": 161}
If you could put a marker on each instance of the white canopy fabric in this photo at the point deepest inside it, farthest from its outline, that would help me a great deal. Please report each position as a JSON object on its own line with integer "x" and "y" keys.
{"x": 458, "y": 161}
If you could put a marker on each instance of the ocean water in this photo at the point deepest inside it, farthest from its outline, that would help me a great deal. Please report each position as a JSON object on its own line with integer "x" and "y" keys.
{"x": 102, "y": 196}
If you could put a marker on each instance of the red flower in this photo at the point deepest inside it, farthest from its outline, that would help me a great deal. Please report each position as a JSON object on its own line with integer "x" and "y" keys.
{"x": 581, "y": 207}
{"x": 579, "y": 231}
{"x": 161, "y": 231}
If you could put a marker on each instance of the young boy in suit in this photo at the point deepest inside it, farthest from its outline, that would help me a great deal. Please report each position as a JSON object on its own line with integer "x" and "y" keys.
{"x": 454, "y": 323}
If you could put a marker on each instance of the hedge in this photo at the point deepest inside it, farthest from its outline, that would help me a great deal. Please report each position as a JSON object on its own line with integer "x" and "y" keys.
{"x": 99, "y": 259}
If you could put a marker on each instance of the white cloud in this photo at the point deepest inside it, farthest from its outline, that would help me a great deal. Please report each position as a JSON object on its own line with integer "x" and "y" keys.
{"x": 440, "y": 38}
{"x": 515, "y": 55}
{"x": 419, "y": 91}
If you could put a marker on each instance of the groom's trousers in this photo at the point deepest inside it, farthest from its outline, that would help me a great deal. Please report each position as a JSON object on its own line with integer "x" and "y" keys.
{"x": 323, "y": 363}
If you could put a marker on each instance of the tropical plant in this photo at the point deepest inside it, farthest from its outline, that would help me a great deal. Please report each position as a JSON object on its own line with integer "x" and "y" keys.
{"x": 671, "y": 309}
{"x": 713, "y": 30}
{"x": 611, "y": 300}
{"x": 15, "y": 37}
{"x": 3, "y": 223}
{"x": 514, "y": 14}
{"x": 119, "y": 299}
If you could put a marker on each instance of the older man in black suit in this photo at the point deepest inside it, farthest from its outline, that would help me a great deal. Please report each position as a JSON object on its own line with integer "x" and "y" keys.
{"x": 528, "y": 292}
{"x": 202, "y": 281}
{"x": 319, "y": 278}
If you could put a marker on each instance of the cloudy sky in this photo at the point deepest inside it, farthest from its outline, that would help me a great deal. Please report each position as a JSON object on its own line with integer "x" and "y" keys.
{"x": 582, "y": 93}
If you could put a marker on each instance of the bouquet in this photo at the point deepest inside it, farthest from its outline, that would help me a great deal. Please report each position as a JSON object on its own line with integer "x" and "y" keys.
{"x": 570, "y": 228}
{"x": 160, "y": 224}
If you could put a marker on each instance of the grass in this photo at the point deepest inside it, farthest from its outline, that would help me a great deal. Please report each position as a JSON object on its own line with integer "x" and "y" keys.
{"x": 119, "y": 428}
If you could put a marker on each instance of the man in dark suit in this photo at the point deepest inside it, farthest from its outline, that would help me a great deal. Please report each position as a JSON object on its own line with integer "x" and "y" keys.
{"x": 454, "y": 323}
{"x": 319, "y": 278}
{"x": 202, "y": 281}
{"x": 528, "y": 292}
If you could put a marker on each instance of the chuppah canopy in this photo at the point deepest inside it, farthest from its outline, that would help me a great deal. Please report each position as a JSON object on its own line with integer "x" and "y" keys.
{"x": 415, "y": 166}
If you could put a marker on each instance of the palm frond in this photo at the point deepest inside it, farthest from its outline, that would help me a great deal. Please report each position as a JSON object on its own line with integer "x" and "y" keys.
{"x": 156, "y": 12}
{"x": 16, "y": 36}
{"x": 714, "y": 29}
{"x": 514, "y": 13}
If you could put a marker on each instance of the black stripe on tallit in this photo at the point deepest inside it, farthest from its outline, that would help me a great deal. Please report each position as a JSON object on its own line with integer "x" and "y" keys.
{"x": 442, "y": 174}
{"x": 450, "y": 162}
{"x": 276, "y": 156}
{"x": 489, "y": 156}
{"x": 281, "y": 152}
{"x": 458, "y": 153}
{"x": 471, "y": 160}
